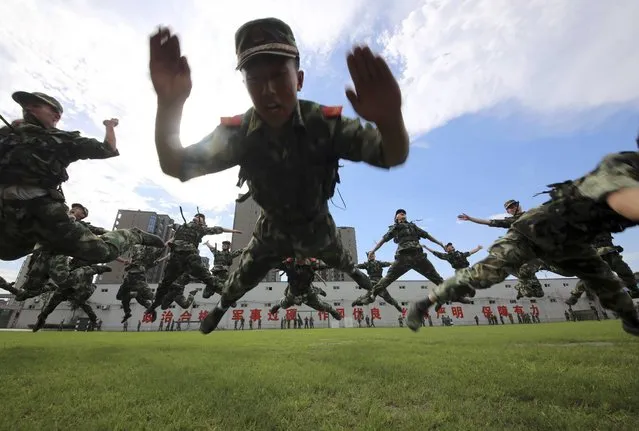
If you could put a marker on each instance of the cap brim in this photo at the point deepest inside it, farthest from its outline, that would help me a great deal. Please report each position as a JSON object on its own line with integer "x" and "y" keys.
{"x": 265, "y": 52}
{"x": 22, "y": 97}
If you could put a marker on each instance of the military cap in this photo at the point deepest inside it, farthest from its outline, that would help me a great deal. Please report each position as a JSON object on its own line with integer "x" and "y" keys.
{"x": 510, "y": 202}
{"x": 400, "y": 211}
{"x": 82, "y": 207}
{"x": 23, "y": 97}
{"x": 226, "y": 242}
{"x": 200, "y": 215}
{"x": 264, "y": 36}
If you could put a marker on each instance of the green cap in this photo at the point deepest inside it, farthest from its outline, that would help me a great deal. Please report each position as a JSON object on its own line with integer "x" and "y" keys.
{"x": 264, "y": 36}
{"x": 24, "y": 97}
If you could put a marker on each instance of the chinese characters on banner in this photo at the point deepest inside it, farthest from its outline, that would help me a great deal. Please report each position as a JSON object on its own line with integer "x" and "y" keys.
{"x": 167, "y": 316}
{"x": 237, "y": 314}
{"x": 256, "y": 314}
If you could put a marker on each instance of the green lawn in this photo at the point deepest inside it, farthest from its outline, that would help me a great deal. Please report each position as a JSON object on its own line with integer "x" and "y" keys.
{"x": 581, "y": 376}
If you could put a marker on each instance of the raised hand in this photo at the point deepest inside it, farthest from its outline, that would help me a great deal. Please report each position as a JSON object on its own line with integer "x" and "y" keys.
{"x": 170, "y": 72}
{"x": 463, "y": 217}
{"x": 113, "y": 122}
{"x": 376, "y": 96}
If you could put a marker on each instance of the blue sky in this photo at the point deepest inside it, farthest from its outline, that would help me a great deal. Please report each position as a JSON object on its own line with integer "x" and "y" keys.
{"x": 500, "y": 98}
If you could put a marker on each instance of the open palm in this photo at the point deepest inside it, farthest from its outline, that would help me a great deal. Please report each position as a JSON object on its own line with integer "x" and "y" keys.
{"x": 170, "y": 72}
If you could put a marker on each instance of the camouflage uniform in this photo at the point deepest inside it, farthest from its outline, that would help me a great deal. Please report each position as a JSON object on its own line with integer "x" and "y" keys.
{"x": 291, "y": 177}
{"x": 374, "y": 269}
{"x": 33, "y": 165}
{"x": 77, "y": 289}
{"x": 175, "y": 293}
{"x": 134, "y": 285}
{"x": 222, "y": 261}
{"x": 409, "y": 255}
{"x": 611, "y": 254}
{"x": 560, "y": 233}
{"x": 457, "y": 259}
{"x": 300, "y": 289}
{"x": 185, "y": 259}
{"x": 528, "y": 284}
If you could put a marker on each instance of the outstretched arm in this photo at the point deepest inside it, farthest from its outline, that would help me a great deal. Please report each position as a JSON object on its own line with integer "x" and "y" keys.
{"x": 475, "y": 250}
{"x": 466, "y": 217}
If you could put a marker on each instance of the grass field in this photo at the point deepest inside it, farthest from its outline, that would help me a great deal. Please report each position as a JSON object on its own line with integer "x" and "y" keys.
{"x": 581, "y": 376}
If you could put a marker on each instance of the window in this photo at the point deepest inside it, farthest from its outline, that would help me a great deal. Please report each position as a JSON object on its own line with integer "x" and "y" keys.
{"x": 152, "y": 220}
{"x": 513, "y": 301}
{"x": 244, "y": 305}
{"x": 267, "y": 305}
{"x": 382, "y": 304}
{"x": 491, "y": 301}
{"x": 565, "y": 284}
{"x": 546, "y": 285}
{"x": 404, "y": 303}
{"x": 195, "y": 306}
{"x": 402, "y": 287}
{"x": 424, "y": 286}
{"x": 508, "y": 285}
{"x": 104, "y": 290}
{"x": 336, "y": 304}
{"x": 335, "y": 287}
{"x": 269, "y": 287}
{"x": 553, "y": 300}
{"x": 533, "y": 301}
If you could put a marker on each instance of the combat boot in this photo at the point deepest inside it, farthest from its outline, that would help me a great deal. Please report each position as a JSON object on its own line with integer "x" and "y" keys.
{"x": 148, "y": 239}
{"x": 416, "y": 312}
{"x": 39, "y": 323}
{"x": 630, "y": 323}
{"x": 126, "y": 317}
{"x": 336, "y": 315}
{"x": 210, "y": 322}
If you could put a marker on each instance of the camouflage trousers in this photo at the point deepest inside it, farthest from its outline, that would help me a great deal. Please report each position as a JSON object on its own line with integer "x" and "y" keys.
{"x": 23, "y": 224}
{"x": 386, "y": 296}
{"x": 76, "y": 289}
{"x": 272, "y": 242}
{"x": 220, "y": 278}
{"x": 528, "y": 284}
{"x": 182, "y": 264}
{"x": 579, "y": 290}
{"x": 175, "y": 293}
{"x": 134, "y": 286}
{"x": 513, "y": 250}
{"x": 44, "y": 266}
{"x": 310, "y": 298}
{"x": 404, "y": 262}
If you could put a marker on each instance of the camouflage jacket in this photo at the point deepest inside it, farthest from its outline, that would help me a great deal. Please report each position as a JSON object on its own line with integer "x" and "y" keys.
{"x": 32, "y": 155}
{"x": 577, "y": 211}
{"x": 290, "y": 177}
{"x": 223, "y": 259}
{"x": 457, "y": 259}
{"x": 143, "y": 258}
{"x": 603, "y": 244}
{"x": 507, "y": 222}
{"x": 188, "y": 236}
{"x": 95, "y": 230}
{"x": 406, "y": 235}
{"x": 374, "y": 268}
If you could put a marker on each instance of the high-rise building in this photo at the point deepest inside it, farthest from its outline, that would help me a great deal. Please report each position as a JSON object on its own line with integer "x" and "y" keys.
{"x": 149, "y": 221}
{"x": 22, "y": 274}
{"x": 347, "y": 236}
{"x": 246, "y": 214}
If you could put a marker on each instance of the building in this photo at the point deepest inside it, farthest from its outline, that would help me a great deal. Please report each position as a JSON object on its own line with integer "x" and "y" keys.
{"x": 246, "y": 214}
{"x": 500, "y": 300}
{"x": 149, "y": 221}
{"x": 347, "y": 236}
{"x": 22, "y": 274}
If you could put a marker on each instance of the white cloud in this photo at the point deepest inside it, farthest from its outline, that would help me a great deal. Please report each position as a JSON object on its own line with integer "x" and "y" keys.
{"x": 549, "y": 57}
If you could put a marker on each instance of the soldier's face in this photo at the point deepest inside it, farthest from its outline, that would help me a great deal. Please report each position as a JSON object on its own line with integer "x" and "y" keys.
{"x": 226, "y": 246}
{"x": 45, "y": 113}
{"x": 273, "y": 83}
{"x": 198, "y": 220}
{"x": 400, "y": 218}
{"x": 371, "y": 256}
{"x": 450, "y": 248}
{"x": 78, "y": 213}
{"x": 513, "y": 209}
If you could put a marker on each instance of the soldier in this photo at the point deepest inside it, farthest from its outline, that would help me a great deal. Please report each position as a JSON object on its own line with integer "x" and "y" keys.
{"x": 408, "y": 256}
{"x": 300, "y": 289}
{"x": 288, "y": 150}
{"x": 528, "y": 284}
{"x": 77, "y": 289}
{"x": 134, "y": 285}
{"x": 222, "y": 261}
{"x": 176, "y": 291}
{"x": 560, "y": 233}
{"x": 374, "y": 270}
{"x": 185, "y": 257}
{"x": 34, "y": 157}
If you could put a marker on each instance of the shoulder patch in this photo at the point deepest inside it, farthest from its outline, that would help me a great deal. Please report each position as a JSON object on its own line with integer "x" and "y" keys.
{"x": 332, "y": 111}
{"x": 231, "y": 121}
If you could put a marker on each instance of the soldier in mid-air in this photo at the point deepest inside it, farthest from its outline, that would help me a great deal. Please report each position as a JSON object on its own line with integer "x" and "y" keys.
{"x": 185, "y": 257}
{"x": 528, "y": 284}
{"x": 134, "y": 285}
{"x": 409, "y": 255}
{"x": 374, "y": 269}
{"x": 176, "y": 293}
{"x": 560, "y": 233}
{"x": 222, "y": 261}
{"x": 288, "y": 150}
{"x": 300, "y": 289}
{"x": 34, "y": 157}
